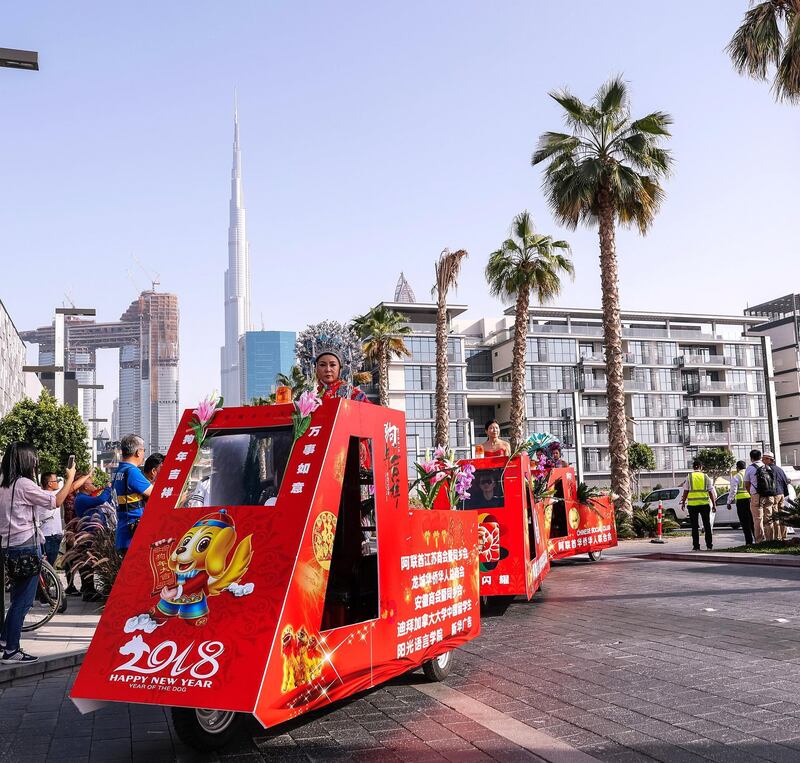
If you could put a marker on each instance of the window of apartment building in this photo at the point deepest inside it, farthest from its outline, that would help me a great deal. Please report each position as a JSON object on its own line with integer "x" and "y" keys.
{"x": 585, "y": 349}
{"x": 532, "y": 350}
{"x": 457, "y": 406}
{"x": 479, "y": 364}
{"x": 594, "y": 402}
{"x": 419, "y": 406}
{"x": 670, "y": 458}
{"x": 424, "y": 430}
{"x": 550, "y": 377}
{"x": 557, "y": 350}
{"x": 741, "y": 431}
{"x": 423, "y": 349}
{"x": 455, "y": 378}
{"x": 646, "y": 432}
{"x": 458, "y": 435}
{"x": 695, "y": 351}
{"x": 420, "y": 377}
{"x": 544, "y": 405}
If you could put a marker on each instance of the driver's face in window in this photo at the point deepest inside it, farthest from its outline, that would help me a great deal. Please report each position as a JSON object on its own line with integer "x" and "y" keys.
{"x": 486, "y": 484}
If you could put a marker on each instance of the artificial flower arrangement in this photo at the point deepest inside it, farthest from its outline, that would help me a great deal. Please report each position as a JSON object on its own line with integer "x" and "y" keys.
{"x": 305, "y": 405}
{"x": 540, "y": 447}
{"x": 202, "y": 415}
{"x": 440, "y": 469}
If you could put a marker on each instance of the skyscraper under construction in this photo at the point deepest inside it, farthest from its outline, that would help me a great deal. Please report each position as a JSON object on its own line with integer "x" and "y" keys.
{"x": 147, "y": 337}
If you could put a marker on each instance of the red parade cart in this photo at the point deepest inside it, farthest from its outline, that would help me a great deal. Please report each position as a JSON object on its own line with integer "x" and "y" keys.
{"x": 271, "y": 575}
{"x": 513, "y": 542}
{"x": 575, "y": 527}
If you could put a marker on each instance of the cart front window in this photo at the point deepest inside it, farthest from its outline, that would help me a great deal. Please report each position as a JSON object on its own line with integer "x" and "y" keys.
{"x": 239, "y": 468}
{"x": 486, "y": 491}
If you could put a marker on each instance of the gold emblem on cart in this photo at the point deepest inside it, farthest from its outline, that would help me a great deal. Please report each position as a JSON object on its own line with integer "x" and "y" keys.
{"x": 322, "y": 538}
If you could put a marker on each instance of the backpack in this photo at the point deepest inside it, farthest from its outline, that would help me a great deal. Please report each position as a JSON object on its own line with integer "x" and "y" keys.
{"x": 765, "y": 481}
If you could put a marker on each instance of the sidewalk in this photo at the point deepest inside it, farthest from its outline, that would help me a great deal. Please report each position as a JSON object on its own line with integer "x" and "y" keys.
{"x": 59, "y": 644}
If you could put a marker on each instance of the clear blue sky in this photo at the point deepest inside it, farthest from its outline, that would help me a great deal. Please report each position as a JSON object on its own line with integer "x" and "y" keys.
{"x": 374, "y": 135}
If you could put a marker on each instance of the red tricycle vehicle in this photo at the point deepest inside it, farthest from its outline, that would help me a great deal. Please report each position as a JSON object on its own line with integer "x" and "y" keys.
{"x": 513, "y": 541}
{"x": 573, "y": 526}
{"x": 278, "y": 568}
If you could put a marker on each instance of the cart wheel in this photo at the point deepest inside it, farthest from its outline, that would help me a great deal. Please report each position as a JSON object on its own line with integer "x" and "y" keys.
{"x": 205, "y": 729}
{"x": 439, "y": 667}
{"x": 595, "y": 555}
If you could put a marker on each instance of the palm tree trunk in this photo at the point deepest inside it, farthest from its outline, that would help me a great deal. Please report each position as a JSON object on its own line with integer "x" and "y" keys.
{"x": 612, "y": 332}
{"x": 383, "y": 376}
{"x": 442, "y": 410}
{"x": 518, "y": 369}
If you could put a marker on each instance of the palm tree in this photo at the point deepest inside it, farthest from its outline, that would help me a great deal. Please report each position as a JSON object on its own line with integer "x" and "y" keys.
{"x": 607, "y": 170}
{"x": 448, "y": 267}
{"x": 770, "y": 37}
{"x": 525, "y": 262}
{"x": 381, "y": 331}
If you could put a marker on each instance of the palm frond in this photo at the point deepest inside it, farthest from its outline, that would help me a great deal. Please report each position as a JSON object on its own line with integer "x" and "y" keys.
{"x": 448, "y": 267}
{"x": 612, "y": 96}
{"x": 757, "y": 43}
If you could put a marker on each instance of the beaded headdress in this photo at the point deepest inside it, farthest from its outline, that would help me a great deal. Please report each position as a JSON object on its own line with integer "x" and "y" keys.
{"x": 329, "y": 338}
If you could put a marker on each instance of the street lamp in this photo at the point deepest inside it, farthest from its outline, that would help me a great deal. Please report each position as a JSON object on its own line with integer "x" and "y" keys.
{"x": 19, "y": 59}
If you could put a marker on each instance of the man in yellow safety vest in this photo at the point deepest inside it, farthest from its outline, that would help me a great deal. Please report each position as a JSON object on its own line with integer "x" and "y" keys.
{"x": 741, "y": 495}
{"x": 700, "y": 497}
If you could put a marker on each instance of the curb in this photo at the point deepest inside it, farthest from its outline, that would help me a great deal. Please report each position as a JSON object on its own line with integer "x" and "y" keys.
{"x": 10, "y": 674}
{"x": 776, "y": 560}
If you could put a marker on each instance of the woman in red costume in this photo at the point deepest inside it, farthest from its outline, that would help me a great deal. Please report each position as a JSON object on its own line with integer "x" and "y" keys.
{"x": 494, "y": 446}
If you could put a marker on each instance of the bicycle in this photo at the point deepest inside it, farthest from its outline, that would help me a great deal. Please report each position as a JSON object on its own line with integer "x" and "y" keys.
{"x": 50, "y": 588}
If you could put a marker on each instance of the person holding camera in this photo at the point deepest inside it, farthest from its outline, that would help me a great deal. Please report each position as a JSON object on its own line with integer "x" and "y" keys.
{"x": 23, "y": 505}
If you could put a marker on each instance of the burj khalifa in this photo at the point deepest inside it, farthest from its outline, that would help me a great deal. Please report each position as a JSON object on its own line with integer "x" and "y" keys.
{"x": 237, "y": 282}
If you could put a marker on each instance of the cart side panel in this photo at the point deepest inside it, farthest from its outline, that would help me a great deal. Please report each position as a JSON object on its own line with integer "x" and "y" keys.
{"x": 212, "y": 660}
{"x": 415, "y": 619}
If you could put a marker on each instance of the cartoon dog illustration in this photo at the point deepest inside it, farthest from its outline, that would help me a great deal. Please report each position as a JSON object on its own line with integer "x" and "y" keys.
{"x": 201, "y": 567}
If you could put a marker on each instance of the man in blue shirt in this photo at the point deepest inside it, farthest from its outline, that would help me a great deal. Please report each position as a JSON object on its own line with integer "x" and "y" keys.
{"x": 131, "y": 487}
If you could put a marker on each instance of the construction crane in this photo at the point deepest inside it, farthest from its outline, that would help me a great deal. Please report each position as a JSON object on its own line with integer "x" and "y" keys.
{"x": 153, "y": 277}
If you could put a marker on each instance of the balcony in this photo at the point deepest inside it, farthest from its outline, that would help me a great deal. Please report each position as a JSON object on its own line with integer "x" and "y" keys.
{"x": 708, "y": 438}
{"x": 592, "y": 358}
{"x": 597, "y": 466}
{"x": 695, "y": 387}
{"x": 488, "y": 386}
{"x": 600, "y": 439}
{"x": 695, "y": 361}
{"x": 594, "y": 413}
{"x": 708, "y": 412}
{"x": 588, "y": 385}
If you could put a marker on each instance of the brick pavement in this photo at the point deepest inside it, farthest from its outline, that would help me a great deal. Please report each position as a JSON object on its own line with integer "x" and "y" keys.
{"x": 627, "y": 660}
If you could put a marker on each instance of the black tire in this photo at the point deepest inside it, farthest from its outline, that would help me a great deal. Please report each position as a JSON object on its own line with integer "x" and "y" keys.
{"x": 439, "y": 667}
{"x": 595, "y": 555}
{"x": 205, "y": 729}
{"x": 50, "y": 587}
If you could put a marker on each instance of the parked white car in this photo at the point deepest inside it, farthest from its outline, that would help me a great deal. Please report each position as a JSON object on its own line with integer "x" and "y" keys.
{"x": 670, "y": 498}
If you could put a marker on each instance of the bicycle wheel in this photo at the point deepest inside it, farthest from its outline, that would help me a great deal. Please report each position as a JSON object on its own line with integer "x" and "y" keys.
{"x": 51, "y": 593}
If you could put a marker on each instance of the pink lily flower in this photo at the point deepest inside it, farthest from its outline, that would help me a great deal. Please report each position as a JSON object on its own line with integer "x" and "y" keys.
{"x": 307, "y": 403}
{"x": 205, "y": 410}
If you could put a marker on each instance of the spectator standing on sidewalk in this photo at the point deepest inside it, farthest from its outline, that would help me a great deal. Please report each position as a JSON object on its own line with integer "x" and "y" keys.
{"x": 741, "y": 497}
{"x": 23, "y": 504}
{"x": 701, "y": 497}
{"x": 781, "y": 496}
{"x": 131, "y": 488}
{"x": 759, "y": 479}
{"x": 52, "y": 527}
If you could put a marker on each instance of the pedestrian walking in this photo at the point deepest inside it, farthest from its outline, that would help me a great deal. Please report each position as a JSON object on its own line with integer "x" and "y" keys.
{"x": 701, "y": 497}
{"x": 130, "y": 487}
{"x": 23, "y": 505}
{"x": 781, "y": 496}
{"x": 741, "y": 497}
{"x": 759, "y": 479}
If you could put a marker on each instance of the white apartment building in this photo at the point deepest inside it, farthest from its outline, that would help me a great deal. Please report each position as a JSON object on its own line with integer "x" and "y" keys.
{"x": 691, "y": 382}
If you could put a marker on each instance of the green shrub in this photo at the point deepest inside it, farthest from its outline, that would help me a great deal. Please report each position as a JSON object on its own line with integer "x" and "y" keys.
{"x": 624, "y": 524}
{"x": 645, "y": 523}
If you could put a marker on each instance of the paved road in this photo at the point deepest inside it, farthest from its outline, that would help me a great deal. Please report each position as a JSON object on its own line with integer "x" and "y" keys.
{"x": 626, "y": 660}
